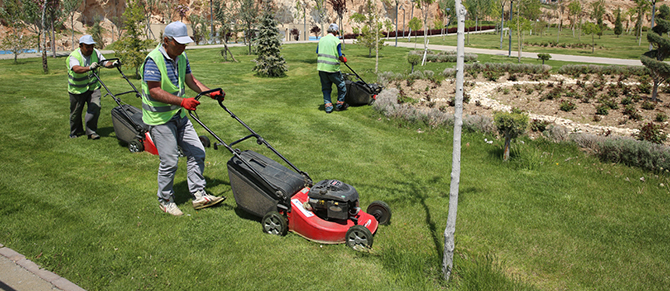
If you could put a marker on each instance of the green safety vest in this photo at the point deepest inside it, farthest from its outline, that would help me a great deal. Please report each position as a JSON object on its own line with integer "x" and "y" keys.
{"x": 81, "y": 83}
{"x": 327, "y": 59}
{"x": 155, "y": 112}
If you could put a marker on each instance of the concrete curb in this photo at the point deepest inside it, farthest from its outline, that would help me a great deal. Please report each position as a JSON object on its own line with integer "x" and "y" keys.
{"x": 19, "y": 273}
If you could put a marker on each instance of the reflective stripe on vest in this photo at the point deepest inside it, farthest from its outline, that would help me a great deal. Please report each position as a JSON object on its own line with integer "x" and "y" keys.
{"x": 81, "y": 83}
{"x": 155, "y": 112}
{"x": 327, "y": 59}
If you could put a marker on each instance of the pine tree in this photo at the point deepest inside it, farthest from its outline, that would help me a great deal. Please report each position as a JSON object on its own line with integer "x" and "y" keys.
{"x": 269, "y": 63}
{"x": 653, "y": 59}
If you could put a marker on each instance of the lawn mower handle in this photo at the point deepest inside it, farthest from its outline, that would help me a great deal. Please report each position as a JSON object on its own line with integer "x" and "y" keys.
{"x": 259, "y": 139}
{"x": 223, "y": 94}
{"x": 359, "y": 77}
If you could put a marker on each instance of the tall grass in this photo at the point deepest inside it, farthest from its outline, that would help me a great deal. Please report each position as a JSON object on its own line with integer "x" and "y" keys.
{"x": 87, "y": 210}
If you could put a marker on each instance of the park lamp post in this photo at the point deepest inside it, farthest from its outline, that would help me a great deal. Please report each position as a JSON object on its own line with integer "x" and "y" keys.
{"x": 403, "y": 20}
{"x": 511, "y": 11}
{"x": 396, "y": 23}
{"x": 211, "y": 24}
{"x": 653, "y": 13}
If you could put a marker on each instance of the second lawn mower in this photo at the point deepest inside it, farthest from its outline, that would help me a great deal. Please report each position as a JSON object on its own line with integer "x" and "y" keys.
{"x": 286, "y": 200}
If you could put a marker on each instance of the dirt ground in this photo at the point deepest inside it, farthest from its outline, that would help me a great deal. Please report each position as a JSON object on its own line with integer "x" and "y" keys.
{"x": 542, "y": 99}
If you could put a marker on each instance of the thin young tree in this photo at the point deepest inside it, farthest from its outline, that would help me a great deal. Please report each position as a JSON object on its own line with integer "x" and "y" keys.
{"x": 269, "y": 62}
{"x": 340, "y": 7}
{"x": 450, "y": 229}
{"x": 320, "y": 6}
{"x": 592, "y": 29}
{"x": 654, "y": 59}
{"x": 69, "y": 8}
{"x": 223, "y": 16}
{"x": 597, "y": 13}
{"x": 131, "y": 48}
{"x": 248, "y": 14}
{"x": 424, "y": 5}
{"x": 574, "y": 12}
{"x": 15, "y": 40}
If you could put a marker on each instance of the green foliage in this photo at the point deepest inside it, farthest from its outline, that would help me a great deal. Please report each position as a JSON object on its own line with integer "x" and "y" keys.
{"x": 654, "y": 59}
{"x": 131, "y": 48}
{"x": 269, "y": 62}
{"x": 567, "y": 105}
{"x": 661, "y": 117}
{"x": 538, "y": 125}
{"x": 96, "y": 31}
{"x": 544, "y": 57}
{"x": 413, "y": 59}
{"x": 652, "y": 132}
{"x": 371, "y": 35}
{"x": 511, "y": 125}
{"x": 618, "y": 26}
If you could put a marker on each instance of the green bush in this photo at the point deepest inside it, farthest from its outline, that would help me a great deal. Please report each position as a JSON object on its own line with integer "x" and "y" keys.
{"x": 602, "y": 109}
{"x": 652, "y": 132}
{"x": 567, "y": 105}
{"x": 538, "y": 125}
{"x": 661, "y": 117}
{"x": 648, "y": 105}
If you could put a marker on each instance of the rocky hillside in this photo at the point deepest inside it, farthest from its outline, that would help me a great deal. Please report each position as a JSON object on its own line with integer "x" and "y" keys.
{"x": 287, "y": 14}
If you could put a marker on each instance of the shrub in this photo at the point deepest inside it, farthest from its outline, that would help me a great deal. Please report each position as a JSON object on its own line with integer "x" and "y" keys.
{"x": 510, "y": 125}
{"x": 609, "y": 103}
{"x": 631, "y": 111}
{"x": 567, "y": 105}
{"x": 557, "y": 133}
{"x": 648, "y": 105}
{"x": 661, "y": 117}
{"x": 627, "y": 100}
{"x": 652, "y": 132}
{"x": 644, "y": 87}
{"x": 538, "y": 125}
{"x": 602, "y": 109}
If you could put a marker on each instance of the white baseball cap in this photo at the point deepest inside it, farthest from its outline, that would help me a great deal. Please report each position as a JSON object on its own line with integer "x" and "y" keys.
{"x": 333, "y": 28}
{"x": 178, "y": 31}
{"x": 86, "y": 39}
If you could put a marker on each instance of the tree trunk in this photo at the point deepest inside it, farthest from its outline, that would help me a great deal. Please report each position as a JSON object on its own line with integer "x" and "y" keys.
{"x": 508, "y": 140}
{"x": 450, "y": 230}
{"x": 654, "y": 92}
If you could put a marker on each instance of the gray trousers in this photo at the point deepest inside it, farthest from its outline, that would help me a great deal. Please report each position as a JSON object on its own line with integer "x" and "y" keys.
{"x": 167, "y": 137}
{"x": 77, "y": 102}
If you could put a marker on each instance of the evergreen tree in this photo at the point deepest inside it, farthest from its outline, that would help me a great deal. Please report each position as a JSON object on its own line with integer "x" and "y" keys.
{"x": 618, "y": 26}
{"x": 653, "y": 59}
{"x": 269, "y": 63}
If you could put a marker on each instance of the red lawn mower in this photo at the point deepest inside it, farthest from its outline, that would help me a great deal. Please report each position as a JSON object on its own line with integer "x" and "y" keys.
{"x": 287, "y": 200}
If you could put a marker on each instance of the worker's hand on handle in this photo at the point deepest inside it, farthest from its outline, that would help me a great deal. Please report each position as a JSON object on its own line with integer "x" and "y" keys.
{"x": 343, "y": 58}
{"x": 189, "y": 103}
{"x": 218, "y": 95}
{"x": 93, "y": 66}
{"x": 116, "y": 63}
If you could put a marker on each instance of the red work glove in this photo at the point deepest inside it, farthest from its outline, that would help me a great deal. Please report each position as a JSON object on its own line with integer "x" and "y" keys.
{"x": 216, "y": 95}
{"x": 343, "y": 58}
{"x": 189, "y": 103}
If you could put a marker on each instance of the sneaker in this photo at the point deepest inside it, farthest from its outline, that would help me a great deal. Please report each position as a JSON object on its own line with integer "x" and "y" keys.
{"x": 73, "y": 136}
{"x": 170, "y": 207}
{"x": 202, "y": 200}
{"x": 93, "y": 136}
{"x": 342, "y": 106}
{"x": 329, "y": 107}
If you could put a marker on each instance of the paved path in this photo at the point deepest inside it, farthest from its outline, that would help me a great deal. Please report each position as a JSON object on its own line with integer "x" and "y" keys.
{"x": 557, "y": 57}
{"x": 18, "y": 273}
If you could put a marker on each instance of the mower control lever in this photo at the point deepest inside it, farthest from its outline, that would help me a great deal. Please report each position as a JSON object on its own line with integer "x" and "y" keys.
{"x": 209, "y": 91}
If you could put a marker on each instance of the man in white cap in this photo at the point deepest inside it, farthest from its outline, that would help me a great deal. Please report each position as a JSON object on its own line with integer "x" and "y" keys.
{"x": 329, "y": 55}
{"x": 84, "y": 88}
{"x": 165, "y": 74}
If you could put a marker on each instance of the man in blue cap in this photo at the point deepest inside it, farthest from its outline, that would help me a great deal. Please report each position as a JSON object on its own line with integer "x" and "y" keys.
{"x": 329, "y": 55}
{"x": 165, "y": 74}
{"x": 84, "y": 87}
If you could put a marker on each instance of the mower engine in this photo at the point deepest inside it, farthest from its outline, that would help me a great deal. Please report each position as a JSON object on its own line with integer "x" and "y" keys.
{"x": 333, "y": 200}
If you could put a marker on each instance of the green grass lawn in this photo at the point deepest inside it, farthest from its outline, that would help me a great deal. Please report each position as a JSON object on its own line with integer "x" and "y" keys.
{"x": 608, "y": 45}
{"x": 551, "y": 218}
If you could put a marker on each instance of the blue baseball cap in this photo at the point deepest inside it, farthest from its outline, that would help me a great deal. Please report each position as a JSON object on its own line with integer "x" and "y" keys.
{"x": 86, "y": 39}
{"x": 178, "y": 31}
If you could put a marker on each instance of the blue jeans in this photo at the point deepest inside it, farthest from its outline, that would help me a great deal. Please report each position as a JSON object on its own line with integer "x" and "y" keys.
{"x": 327, "y": 80}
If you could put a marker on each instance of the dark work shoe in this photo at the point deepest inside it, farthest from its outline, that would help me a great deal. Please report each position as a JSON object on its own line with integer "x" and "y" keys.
{"x": 342, "y": 107}
{"x": 72, "y": 136}
{"x": 93, "y": 136}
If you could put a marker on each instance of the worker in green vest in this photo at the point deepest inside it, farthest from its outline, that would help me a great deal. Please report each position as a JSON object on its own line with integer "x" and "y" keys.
{"x": 165, "y": 74}
{"x": 84, "y": 87}
{"x": 329, "y": 55}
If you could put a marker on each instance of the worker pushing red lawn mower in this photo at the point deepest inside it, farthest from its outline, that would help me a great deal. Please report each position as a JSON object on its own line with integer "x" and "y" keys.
{"x": 287, "y": 200}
